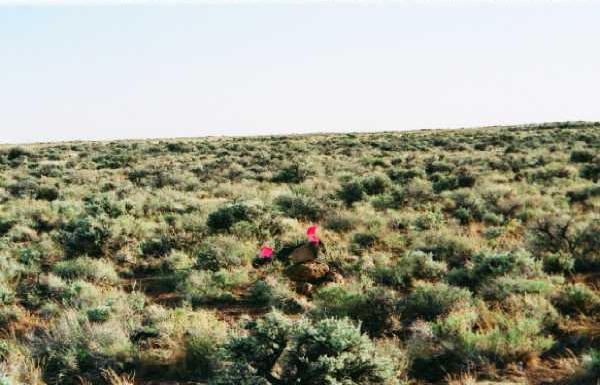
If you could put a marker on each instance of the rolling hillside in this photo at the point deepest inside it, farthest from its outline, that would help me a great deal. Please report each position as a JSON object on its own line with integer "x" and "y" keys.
{"x": 438, "y": 257}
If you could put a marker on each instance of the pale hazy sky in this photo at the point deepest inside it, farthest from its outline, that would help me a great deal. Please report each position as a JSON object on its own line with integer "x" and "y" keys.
{"x": 106, "y": 71}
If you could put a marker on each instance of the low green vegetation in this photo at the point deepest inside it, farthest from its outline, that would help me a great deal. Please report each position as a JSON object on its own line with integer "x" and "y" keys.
{"x": 442, "y": 257}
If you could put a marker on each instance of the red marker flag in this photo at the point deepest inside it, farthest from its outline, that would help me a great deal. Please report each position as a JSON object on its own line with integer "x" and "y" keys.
{"x": 266, "y": 252}
{"x": 311, "y": 230}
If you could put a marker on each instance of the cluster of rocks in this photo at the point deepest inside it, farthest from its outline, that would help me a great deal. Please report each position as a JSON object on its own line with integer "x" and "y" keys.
{"x": 307, "y": 272}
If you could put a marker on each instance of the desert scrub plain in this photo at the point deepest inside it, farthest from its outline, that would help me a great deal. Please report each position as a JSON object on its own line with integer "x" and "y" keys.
{"x": 449, "y": 257}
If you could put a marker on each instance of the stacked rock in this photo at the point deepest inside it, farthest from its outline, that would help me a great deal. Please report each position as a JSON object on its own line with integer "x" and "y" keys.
{"x": 306, "y": 270}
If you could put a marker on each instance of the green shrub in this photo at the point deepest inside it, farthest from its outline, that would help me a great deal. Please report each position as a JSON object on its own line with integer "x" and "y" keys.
{"x": 429, "y": 220}
{"x": 375, "y": 184}
{"x": 99, "y": 314}
{"x": 5, "y": 225}
{"x": 334, "y": 351}
{"x": 445, "y": 246}
{"x": 463, "y": 215}
{"x": 438, "y": 167}
{"x": 396, "y": 276}
{"x": 583, "y": 194}
{"x": 9, "y": 314}
{"x": 364, "y": 241}
{"x": 504, "y": 339}
{"x": 271, "y": 293}
{"x": 23, "y": 187}
{"x": 222, "y": 252}
{"x": 502, "y": 287}
{"x": 552, "y": 234}
{"x": 395, "y": 199}
{"x": 47, "y": 193}
{"x": 329, "y": 351}
{"x": 400, "y": 175}
{"x": 156, "y": 246}
{"x": 559, "y": 263}
{"x": 376, "y": 309}
{"x": 581, "y": 156}
{"x": 591, "y": 171}
{"x": 74, "y": 350}
{"x": 587, "y": 246}
{"x": 206, "y": 287}
{"x": 492, "y": 219}
{"x": 421, "y": 265}
{"x": 577, "y": 298}
{"x": 300, "y": 206}
{"x": 351, "y": 192}
{"x": 203, "y": 347}
{"x": 485, "y": 266}
{"x": 226, "y": 216}
{"x": 86, "y": 268}
{"x": 339, "y": 223}
{"x": 465, "y": 178}
{"x": 16, "y": 152}
{"x": 7, "y": 294}
{"x": 84, "y": 236}
{"x": 103, "y": 204}
{"x": 429, "y": 301}
{"x": 291, "y": 173}
{"x": 255, "y": 355}
{"x": 444, "y": 184}
{"x": 261, "y": 293}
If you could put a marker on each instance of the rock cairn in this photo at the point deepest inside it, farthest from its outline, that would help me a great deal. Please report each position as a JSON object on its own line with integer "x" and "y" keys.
{"x": 306, "y": 270}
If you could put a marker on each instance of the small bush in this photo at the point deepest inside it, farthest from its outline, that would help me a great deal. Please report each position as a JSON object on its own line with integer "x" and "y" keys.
{"x": 156, "y": 246}
{"x": 5, "y": 225}
{"x": 429, "y": 301}
{"x": 91, "y": 269}
{"x": 300, "y": 206}
{"x": 328, "y": 351}
{"x": 271, "y": 293}
{"x": 375, "y": 184}
{"x": 591, "y": 171}
{"x": 429, "y": 220}
{"x": 339, "y": 223}
{"x": 446, "y": 246}
{"x": 376, "y": 309}
{"x": 559, "y": 263}
{"x": 351, "y": 192}
{"x": 292, "y": 173}
{"x": 501, "y": 288}
{"x": 364, "y": 241}
{"x": 577, "y": 298}
{"x": 99, "y": 314}
{"x": 203, "y": 347}
{"x": 206, "y": 287}
{"x": 334, "y": 351}
{"x": 228, "y": 215}
{"x": 221, "y": 252}
{"x": 84, "y": 235}
{"x": 16, "y": 152}
{"x": 583, "y": 194}
{"x": 47, "y": 193}
{"x": 581, "y": 156}
{"x": 103, "y": 204}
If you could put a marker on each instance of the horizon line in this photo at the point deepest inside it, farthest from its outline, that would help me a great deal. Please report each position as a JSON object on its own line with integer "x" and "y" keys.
{"x": 570, "y": 123}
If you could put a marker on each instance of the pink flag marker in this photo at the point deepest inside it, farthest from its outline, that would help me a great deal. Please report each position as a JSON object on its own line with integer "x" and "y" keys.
{"x": 266, "y": 252}
{"x": 311, "y": 230}
{"x": 313, "y": 239}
